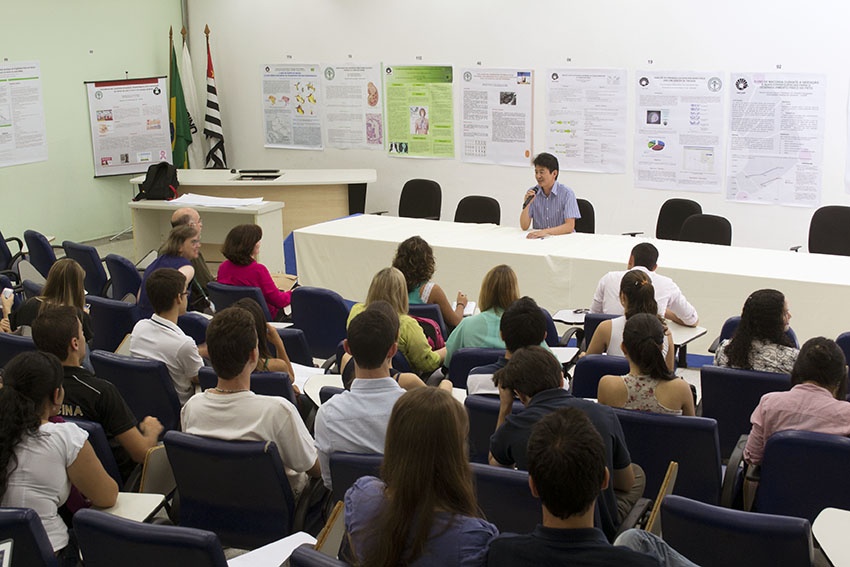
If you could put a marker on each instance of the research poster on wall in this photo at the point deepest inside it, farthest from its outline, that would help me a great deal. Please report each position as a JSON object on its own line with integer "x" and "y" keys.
{"x": 353, "y": 106}
{"x": 23, "y": 137}
{"x": 496, "y": 116}
{"x": 129, "y": 125}
{"x": 679, "y": 124}
{"x": 586, "y": 119}
{"x": 420, "y": 111}
{"x": 292, "y": 106}
{"x": 776, "y": 138}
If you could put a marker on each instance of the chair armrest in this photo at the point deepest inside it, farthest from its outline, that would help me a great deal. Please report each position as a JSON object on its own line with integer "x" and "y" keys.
{"x": 633, "y": 234}
{"x": 327, "y": 366}
{"x": 17, "y": 241}
{"x": 577, "y": 332}
{"x": 714, "y": 344}
{"x": 637, "y": 516}
{"x": 730, "y": 478}
{"x": 796, "y": 248}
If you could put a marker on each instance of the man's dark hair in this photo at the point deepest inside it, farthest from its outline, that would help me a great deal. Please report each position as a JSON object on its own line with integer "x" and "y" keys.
{"x": 231, "y": 338}
{"x": 566, "y": 460}
{"x": 530, "y": 371}
{"x": 523, "y": 324}
{"x": 645, "y": 255}
{"x": 548, "y": 161}
{"x": 370, "y": 336}
{"x": 163, "y": 287}
{"x": 388, "y": 310}
{"x": 54, "y": 328}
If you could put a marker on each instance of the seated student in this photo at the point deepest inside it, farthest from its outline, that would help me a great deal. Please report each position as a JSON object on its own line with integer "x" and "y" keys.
{"x": 637, "y": 296}
{"x": 355, "y": 421}
{"x": 241, "y": 247}
{"x": 760, "y": 342}
{"x": 567, "y": 471}
{"x": 39, "y": 460}
{"x": 388, "y": 285}
{"x": 499, "y": 289}
{"x": 181, "y": 247}
{"x": 231, "y": 411}
{"x": 422, "y": 511}
{"x": 523, "y": 324}
{"x": 816, "y": 402}
{"x": 649, "y": 385}
{"x": 189, "y": 216}
{"x": 60, "y": 332}
{"x": 535, "y": 375}
{"x": 415, "y": 259}
{"x": 267, "y": 334}
{"x": 161, "y": 339}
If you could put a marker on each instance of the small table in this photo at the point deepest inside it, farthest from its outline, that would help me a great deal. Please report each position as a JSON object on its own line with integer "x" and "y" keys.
{"x": 830, "y": 529}
{"x": 682, "y": 335}
{"x": 315, "y": 383}
{"x": 135, "y": 506}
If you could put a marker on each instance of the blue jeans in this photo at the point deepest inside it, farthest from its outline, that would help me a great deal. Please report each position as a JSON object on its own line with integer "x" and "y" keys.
{"x": 650, "y": 544}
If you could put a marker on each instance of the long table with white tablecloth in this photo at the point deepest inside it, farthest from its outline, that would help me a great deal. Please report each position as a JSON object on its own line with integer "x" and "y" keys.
{"x": 563, "y": 271}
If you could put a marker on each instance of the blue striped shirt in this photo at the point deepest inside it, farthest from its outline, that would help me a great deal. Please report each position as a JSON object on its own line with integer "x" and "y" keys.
{"x": 554, "y": 210}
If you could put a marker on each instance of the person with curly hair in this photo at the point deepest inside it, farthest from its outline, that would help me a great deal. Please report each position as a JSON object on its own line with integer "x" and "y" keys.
{"x": 415, "y": 259}
{"x": 760, "y": 342}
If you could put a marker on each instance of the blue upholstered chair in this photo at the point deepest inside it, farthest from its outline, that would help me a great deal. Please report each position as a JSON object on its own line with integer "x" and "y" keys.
{"x": 13, "y": 345}
{"x": 466, "y": 359}
{"x": 31, "y": 289}
{"x": 9, "y": 260}
{"x": 346, "y": 468}
{"x": 712, "y": 535}
{"x": 40, "y": 253}
{"x": 144, "y": 384}
{"x": 591, "y": 321}
{"x": 655, "y": 440}
{"x": 262, "y": 383}
{"x": 236, "y": 489}
{"x": 106, "y": 540}
{"x": 483, "y": 412}
{"x": 328, "y": 392}
{"x": 430, "y": 311}
{"x": 194, "y": 325}
{"x": 306, "y": 556}
{"x": 111, "y": 320}
{"x": 96, "y": 281}
{"x": 591, "y": 368}
{"x": 100, "y": 444}
{"x": 322, "y": 315}
{"x": 505, "y": 498}
{"x": 731, "y": 325}
{"x": 31, "y": 547}
{"x": 125, "y": 277}
{"x": 730, "y": 396}
{"x": 223, "y": 296}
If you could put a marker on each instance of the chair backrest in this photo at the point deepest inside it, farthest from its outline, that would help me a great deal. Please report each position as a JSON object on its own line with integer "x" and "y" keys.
{"x": 591, "y": 321}
{"x": 672, "y": 215}
{"x": 223, "y": 296}
{"x": 328, "y": 392}
{"x": 194, "y": 325}
{"x": 295, "y": 343}
{"x": 106, "y": 539}
{"x": 552, "y": 338}
{"x": 465, "y": 359}
{"x": 7, "y": 258}
{"x": 420, "y": 199}
{"x": 31, "y": 288}
{"x": 31, "y": 545}
{"x": 322, "y": 315}
{"x": 843, "y": 342}
{"x": 712, "y": 535}
{"x": 731, "y": 325}
{"x": 111, "y": 321}
{"x": 144, "y": 384}
{"x": 39, "y": 252}
{"x": 430, "y": 311}
{"x": 262, "y": 383}
{"x": 829, "y": 231}
{"x": 100, "y": 444}
{"x": 587, "y": 222}
{"x": 591, "y": 368}
{"x": 478, "y": 209}
{"x": 505, "y": 498}
{"x": 306, "y": 556}
{"x": 346, "y": 468}
{"x": 13, "y": 345}
{"x": 802, "y": 473}
{"x": 96, "y": 280}
{"x": 126, "y": 279}
{"x": 708, "y": 229}
{"x": 730, "y": 396}
{"x": 654, "y": 440}
{"x": 237, "y": 489}
{"x": 483, "y": 412}
{"x": 289, "y": 260}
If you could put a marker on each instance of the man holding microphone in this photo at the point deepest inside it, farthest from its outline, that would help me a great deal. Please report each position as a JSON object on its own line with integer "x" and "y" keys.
{"x": 551, "y": 204}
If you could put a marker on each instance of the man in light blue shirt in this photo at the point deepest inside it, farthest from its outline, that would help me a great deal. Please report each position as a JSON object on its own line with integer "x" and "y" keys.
{"x": 356, "y": 421}
{"x": 550, "y": 204}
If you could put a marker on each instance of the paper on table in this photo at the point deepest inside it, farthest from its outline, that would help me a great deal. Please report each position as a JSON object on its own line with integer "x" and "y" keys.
{"x": 273, "y": 554}
{"x": 302, "y": 373}
{"x": 468, "y": 310}
{"x": 207, "y": 201}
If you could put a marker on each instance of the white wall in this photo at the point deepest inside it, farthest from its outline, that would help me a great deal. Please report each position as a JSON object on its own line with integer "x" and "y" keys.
{"x": 76, "y": 42}
{"x": 722, "y": 35}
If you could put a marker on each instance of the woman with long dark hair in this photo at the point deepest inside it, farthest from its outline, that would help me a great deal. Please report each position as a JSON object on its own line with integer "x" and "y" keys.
{"x": 422, "y": 511}
{"x": 39, "y": 460}
{"x": 637, "y": 296}
{"x": 760, "y": 342}
{"x": 649, "y": 385}
{"x": 266, "y": 334}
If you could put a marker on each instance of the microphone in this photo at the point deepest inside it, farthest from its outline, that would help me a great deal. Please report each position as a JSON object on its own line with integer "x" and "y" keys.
{"x": 530, "y": 197}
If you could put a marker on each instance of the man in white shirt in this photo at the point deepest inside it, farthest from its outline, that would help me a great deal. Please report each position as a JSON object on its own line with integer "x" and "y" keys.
{"x": 231, "y": 411}
{"x": 671, "y": 302}
{"x": 159, "y": 337}
{"x": 356, "y": 421}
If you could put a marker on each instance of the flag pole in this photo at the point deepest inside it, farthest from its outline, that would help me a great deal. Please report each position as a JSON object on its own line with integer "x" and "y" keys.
{"x": 183, "y": 32}
{"x": 170, "y": 46}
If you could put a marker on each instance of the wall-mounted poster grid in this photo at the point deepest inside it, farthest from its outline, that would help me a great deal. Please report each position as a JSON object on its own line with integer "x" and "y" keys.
{"x": 129, "y": 125}
{"x": 23, "y": 138}
{"x": 420, "y": 113}
{"x": 776, "y": 138}
{"x": 292, "y": 106}
{"x": 679, "y": 122}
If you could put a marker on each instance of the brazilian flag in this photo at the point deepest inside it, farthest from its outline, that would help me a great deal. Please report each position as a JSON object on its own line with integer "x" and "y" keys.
{"x": 178, "y": 116}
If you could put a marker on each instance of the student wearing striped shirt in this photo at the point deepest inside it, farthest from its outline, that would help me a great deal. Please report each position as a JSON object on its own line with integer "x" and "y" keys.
{"x": 551, "y": 205}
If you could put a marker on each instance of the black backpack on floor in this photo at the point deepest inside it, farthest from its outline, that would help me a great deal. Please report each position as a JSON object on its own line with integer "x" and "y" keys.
{"x": 160, "y": 183}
